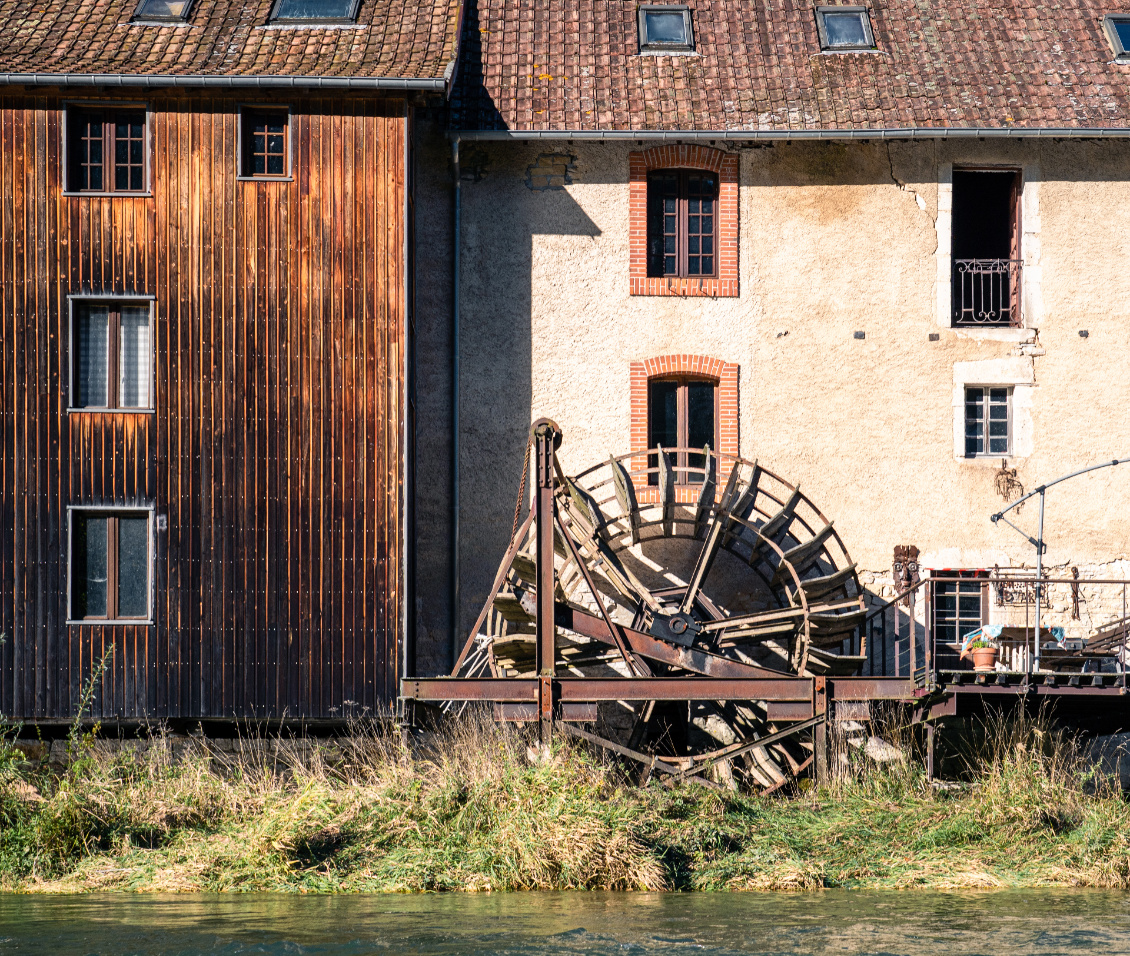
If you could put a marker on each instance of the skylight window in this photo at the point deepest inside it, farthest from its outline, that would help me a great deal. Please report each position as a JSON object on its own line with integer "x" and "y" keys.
{"x": 311, "y": 12}
{"x": 665, "y": 28}
{"x": 1118, "y": 32}
{"x": 173, "y": 11}
{"x": 844, "y": 28}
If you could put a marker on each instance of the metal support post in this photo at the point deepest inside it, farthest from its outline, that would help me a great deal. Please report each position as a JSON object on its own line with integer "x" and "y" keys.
{"x": 547, "y": 436}
{"x": 1038, "y": 541}
{"x": 913, "y": 637}
{"x": 821, "y": 705}
{"x": 929, "y": 750}
{"x": 1039, "y": 581}
{"x": 928, "y": 630}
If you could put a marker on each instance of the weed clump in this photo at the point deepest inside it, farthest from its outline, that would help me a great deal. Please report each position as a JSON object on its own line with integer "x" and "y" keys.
{"x": 474, "y": 807}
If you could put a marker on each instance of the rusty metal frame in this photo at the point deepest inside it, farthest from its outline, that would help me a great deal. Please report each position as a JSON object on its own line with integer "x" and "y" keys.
{"x": 562, "y": 519}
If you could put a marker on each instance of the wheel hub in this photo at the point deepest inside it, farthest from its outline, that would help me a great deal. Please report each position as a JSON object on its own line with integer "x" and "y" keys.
{"x": 679, "y": 628}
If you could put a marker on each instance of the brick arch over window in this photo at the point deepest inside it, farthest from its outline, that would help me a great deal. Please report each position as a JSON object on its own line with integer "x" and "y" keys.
{"x": 699, "y": 366}
{"x": 642, "y": 162}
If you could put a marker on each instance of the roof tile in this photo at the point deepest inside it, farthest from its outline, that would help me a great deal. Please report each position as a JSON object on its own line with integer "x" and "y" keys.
{"x": 982, "y": 63}
{"x": 392, "y": 38}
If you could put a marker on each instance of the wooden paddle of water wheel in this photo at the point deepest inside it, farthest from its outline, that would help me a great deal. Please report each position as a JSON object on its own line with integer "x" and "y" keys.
{"x": 691, "y": 610}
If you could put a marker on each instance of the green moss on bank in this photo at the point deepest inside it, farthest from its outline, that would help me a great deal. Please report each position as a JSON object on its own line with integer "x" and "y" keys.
{"x": 473, "y": 812}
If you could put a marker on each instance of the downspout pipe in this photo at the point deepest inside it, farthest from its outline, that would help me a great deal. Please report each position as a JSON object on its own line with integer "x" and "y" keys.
{"x": 456, "y": 212}
{"x": 408, "y": 403}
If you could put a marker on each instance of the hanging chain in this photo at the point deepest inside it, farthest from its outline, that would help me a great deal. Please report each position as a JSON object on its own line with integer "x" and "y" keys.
{"x": 522, "y": 487}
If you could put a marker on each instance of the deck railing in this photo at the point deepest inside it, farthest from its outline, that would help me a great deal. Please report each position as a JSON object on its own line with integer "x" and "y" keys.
{"x": 1085, "y": 626}
{"x": 985, "y": 292}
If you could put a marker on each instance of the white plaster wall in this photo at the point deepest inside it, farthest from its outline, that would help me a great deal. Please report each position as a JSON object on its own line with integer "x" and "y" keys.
{"x": 834, "y": 239}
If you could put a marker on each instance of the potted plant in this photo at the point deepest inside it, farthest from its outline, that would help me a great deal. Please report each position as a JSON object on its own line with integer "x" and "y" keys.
{"x": 984, "y": 653}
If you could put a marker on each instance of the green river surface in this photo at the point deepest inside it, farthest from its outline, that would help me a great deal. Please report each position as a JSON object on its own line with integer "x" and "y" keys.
{"x": 915, "y": 922}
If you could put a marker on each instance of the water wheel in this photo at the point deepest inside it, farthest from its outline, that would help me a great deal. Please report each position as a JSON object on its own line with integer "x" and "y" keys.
{"x": 702, "y": 564}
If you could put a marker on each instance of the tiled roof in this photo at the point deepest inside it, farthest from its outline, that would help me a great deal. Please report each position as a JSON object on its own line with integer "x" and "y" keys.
{"x": 573, "y": 65}
{"x": 228, "y": 38}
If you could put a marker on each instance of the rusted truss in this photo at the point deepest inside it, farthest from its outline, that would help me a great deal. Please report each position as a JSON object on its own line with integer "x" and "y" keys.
{"x": 591, "y": 609}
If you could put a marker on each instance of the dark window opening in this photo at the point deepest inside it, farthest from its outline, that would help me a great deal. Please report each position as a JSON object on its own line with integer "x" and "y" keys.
{"x": 844, "y": 28}
{"x": 314, "y": 11}
{"x": 986, "y": 247}
{"x": 106, "y": 149}
{"x": 110, "y": 355}
{"x": 665, "y": 29}
{"x": 959, "y": 607}
{"x": 109, "y": 565}
{"x": 173, "y": 11}
{"x": 682, "y": 223}
{"x": 266, "y": 144}
{"x": 682, "y": 413}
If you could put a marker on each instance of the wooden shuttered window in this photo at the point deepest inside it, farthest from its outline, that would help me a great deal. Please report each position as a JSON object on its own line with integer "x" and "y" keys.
{"x": 106, "y": 150}
{"x": 682, "y": 223}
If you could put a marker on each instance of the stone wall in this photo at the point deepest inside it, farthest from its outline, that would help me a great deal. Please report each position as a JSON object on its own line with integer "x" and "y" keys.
{"x": 850, "y": 377}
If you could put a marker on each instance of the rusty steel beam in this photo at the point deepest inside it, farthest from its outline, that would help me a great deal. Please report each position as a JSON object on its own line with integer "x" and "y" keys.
{"x": 691, "y": 659}
{"x": 1040, "y": 690}
{"x": 547, "y": 435}
{"x": 872, "y": 688}
{"x": 439, "y": 689}
{"x": 684, "y": 688}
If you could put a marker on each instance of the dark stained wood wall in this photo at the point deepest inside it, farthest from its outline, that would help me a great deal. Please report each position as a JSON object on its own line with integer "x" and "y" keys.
{"x": 275, "y": 447}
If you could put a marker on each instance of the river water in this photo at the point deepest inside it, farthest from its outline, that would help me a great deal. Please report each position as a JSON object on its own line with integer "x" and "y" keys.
{"x": 918, "y": 922}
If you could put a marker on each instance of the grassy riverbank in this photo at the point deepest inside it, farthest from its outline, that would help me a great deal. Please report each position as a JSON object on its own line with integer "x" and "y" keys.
{"x": 474, "y": 813}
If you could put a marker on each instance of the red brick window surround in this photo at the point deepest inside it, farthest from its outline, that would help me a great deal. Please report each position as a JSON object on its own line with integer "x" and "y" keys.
{"x": 725, "y": 374}
{"x": 640, "y": 163}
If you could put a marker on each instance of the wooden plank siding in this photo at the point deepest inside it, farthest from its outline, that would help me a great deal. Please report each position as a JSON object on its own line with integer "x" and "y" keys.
{"x": 274, "y": 452}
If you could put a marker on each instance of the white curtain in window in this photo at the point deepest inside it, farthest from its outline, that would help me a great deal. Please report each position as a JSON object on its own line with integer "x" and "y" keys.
{"x": 135, "y": 357}
{"x": 92, "y": 330}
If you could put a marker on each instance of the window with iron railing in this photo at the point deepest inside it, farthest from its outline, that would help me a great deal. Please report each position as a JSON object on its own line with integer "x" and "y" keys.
{"x": 986, "y": 248}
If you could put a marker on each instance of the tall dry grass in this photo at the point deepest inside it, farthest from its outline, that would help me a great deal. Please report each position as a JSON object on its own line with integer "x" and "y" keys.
{"x": 474, "y": 807}
{"x": 468, "y": 810}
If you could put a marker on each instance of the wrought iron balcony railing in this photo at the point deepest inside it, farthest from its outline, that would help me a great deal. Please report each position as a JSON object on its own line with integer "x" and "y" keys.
{"x": 986, "y": 292}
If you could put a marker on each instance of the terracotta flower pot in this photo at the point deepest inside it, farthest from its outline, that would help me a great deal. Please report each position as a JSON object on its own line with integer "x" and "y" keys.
{"x": 985, "y": 658}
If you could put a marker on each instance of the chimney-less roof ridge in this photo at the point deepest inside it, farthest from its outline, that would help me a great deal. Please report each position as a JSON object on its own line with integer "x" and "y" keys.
{"x": 852, "y": 132}
{"x": 263, "y": 81}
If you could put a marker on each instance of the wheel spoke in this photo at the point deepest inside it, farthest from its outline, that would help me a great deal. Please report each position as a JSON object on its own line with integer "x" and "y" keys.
{"x": 719, "y": 525}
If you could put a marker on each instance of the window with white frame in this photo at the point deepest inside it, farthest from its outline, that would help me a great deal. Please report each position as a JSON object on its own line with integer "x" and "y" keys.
{"x": 110, "y": 560}
{"x": 988, "y": 421}
{"x": 111, "y": 354}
